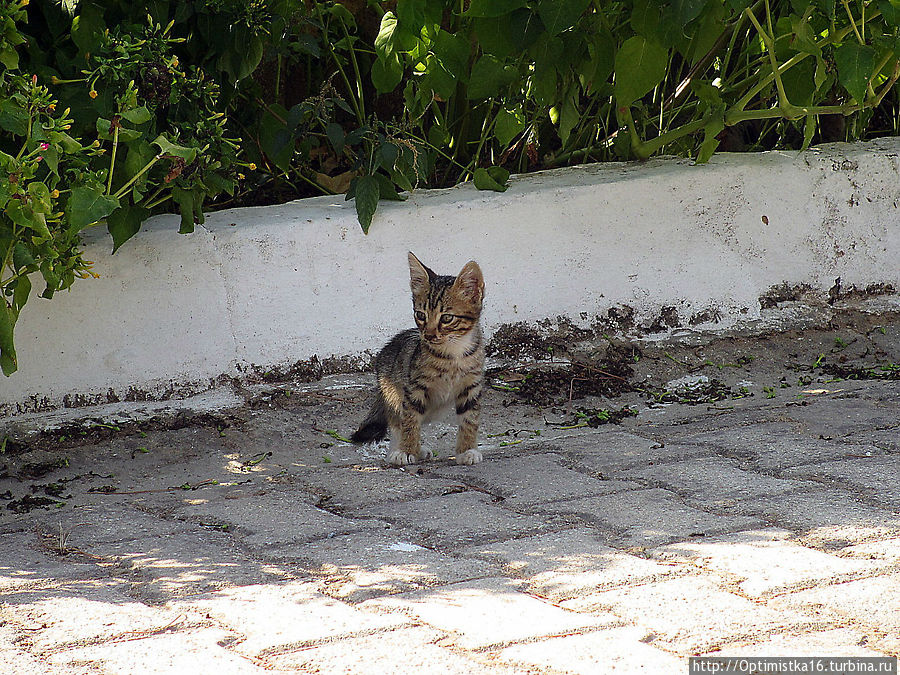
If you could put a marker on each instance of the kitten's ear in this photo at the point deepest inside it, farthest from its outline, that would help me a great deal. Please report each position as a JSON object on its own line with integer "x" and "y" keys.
{"x": 419, "y": 275}
{"x": 469, "y": 283}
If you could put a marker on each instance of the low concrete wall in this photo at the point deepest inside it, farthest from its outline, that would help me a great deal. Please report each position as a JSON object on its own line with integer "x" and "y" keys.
{"x": 272, "y": 285}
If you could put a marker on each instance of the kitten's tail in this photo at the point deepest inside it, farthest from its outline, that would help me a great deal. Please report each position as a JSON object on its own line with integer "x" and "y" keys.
{"x": 375, "y": 426}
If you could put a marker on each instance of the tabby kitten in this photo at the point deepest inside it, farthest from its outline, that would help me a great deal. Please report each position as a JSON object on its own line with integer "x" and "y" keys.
{"x": 423, "y": 371}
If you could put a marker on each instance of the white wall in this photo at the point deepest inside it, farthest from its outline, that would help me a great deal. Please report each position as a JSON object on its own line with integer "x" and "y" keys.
{"x": 272, "y": 285}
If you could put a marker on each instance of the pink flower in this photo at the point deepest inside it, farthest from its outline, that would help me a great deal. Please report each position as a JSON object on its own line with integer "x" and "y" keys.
{"x": 44, "y": 146}
{"x": 39, "y": 158}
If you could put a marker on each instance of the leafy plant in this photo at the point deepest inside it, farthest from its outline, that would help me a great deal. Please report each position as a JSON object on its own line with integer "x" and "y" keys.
{"x": 48, "y": 195}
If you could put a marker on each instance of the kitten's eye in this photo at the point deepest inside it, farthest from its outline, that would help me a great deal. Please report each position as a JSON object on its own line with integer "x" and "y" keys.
{"x": 420, "y": 316}
{"x": 446, "y": 318}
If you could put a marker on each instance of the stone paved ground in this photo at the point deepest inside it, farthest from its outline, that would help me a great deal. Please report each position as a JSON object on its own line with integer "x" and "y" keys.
{"x": 256, "y": 542}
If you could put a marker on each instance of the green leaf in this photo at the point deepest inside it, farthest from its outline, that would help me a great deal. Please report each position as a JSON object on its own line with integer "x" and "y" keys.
{"x": 494, "y": 38}
{"x": 22, "y": 214}
{"x": 40, "y": 197}
{"x": 452, "y": 51}
{"x": 855, "y": 63}
{"x": 602, "y": 51}
{"x": 543, "y": 84}
{"x": 386, "y": 73}
{"x": 9, "y": 57}
{"x": 105, "y": 132}
{"x": 387, "y": 190}
{"x": 168, "y": 148}
{"x": 560, "y": 15}
{"x": 138, "y": 115}
{"x": 489, "y": 76}
{"x": 336, "y": 136}
{"x": 86, "y": 206}
{"x": 367, "y": 191}
{"x": 51, "y": 157}
{"x": 139, "y": 154}
{"x": 21, "y": 292}
{"x": 88, "y": 28}
{"x": 190, "y": 205}
{"x": 438, "y": 79}
{"x": 493, "y": 8}
{"x": 687, "y": 10}
{"x": 492, "y": 178}
{"x": 8, "y": 316}
{"x": 640, "y": 66}
{"x": 828, "y": 7}
{"x": 384, "y": 41}
{"x": 710, "y": 138}
{"x": 568, "y": 116}
{"x": 656, "y": 22}
{"x": 386, "y": 155}
{"x": 244, "y": 55}
{"x": 890, "y": 10}
{"x": 508, "y": 124}
{"x": 411, "y": 13}
{"x": 22, "y": 257}
{"x": 809, "y": 130}
{"x": 13, "y": 117}
{"x": 124, "y": 223}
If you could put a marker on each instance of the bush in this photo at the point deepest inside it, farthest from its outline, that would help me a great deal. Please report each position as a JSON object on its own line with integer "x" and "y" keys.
{"x": 182, "y": 105}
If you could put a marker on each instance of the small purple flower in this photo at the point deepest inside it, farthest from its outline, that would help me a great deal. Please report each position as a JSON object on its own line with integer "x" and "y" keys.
{"x": 44, "y": 146}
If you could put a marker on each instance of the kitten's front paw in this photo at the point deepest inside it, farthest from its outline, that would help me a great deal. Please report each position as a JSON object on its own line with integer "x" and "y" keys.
{"x": 400, "y": 458}
{"x": 472, "y": 456}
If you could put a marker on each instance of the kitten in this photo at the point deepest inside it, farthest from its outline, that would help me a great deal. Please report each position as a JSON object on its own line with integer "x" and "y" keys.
{"x": 423, "y": 371}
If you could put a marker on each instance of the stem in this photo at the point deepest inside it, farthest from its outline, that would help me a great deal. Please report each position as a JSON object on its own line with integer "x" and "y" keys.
{"x": 645, "y": 149}
{"x": 158, "y": 202}
{"x": 359, "y": 92}
{"x": 112, "y": 159}
{"x": 852, "y": 22}
{"x": 783, "y": 101}
{"x": 140, "y": 173}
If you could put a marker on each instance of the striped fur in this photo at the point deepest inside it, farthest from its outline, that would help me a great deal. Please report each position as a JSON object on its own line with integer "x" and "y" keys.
{"x": 425, "y": 370}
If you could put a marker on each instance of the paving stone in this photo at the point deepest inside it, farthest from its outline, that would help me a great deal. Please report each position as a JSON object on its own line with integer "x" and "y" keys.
{"x": 712, "y": 481}
{"x": 487, "y": 612}
{"x": 606, "y": 452}
{"x": 835, "y": 642}
{"x": 175, "y": 652}
{"x": 886, "y": 550}
{"x": 405, "y": 650}
{"x": 81, "y": 612}
{"x": 871, "y": 602}
{"x": 649, "y": 517}
{"x": 270, "y": 617}
{"x": 690, "y": 615}
{"x": 28, "y": 560}
{"x": 104, "y": 522}
{"x": 561, "y": 565}
{"x": 16, "y": 661}
{"x": 458, "y": 519}
{"x": 532, "y": 479}
{"x": 369, "y": 564}
{"x": 347, "y": 489}
{"x": 776, "y": 445}
{"x": 271, "y": 517}
{"x": 875, "y": 477}
{"x": 765, "y": 562}
{"x": 612, "y": 650}
{"x": 836, "y": 417}
{"x": 162, "y": 568}
{"x": 824, "y": 518}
